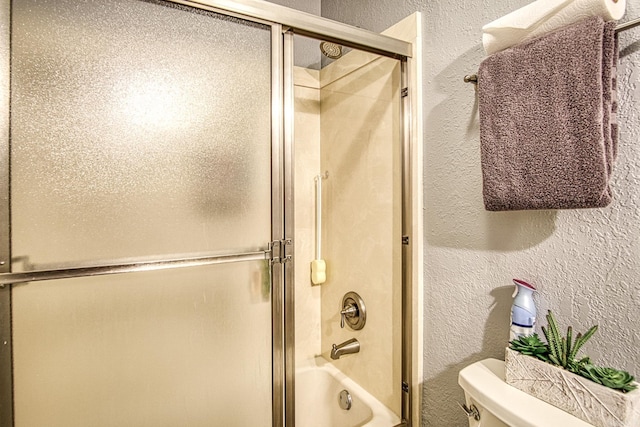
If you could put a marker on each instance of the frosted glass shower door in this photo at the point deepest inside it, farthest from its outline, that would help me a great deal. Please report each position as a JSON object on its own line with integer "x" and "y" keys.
{"x": 140, "y": 131}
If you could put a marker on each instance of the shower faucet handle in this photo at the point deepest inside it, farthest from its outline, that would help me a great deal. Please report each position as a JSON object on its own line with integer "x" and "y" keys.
{"x": 351, "y": 311}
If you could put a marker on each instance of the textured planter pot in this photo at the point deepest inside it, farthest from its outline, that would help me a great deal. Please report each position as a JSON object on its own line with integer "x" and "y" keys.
{"x": 591, "y": 402}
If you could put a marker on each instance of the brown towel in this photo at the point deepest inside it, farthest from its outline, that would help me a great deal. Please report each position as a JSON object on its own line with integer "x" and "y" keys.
{"x": 547, "y": 120}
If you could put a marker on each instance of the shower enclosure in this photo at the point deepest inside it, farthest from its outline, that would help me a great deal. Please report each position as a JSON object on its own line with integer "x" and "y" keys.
{"x": 147, "y": 211}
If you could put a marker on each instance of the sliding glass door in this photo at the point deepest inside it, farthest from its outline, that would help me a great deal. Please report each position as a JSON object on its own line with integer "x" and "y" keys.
{"x": 140, "y": 132}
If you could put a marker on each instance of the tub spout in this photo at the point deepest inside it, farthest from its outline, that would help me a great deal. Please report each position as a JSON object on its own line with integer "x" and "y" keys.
{"x": 348, "y": 347}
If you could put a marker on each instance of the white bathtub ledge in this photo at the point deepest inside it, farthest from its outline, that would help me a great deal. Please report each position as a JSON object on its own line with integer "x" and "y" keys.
{"x": 381, "y": 415}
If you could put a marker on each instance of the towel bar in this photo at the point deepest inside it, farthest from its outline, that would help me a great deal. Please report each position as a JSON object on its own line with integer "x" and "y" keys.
{"x": 129, "y": 267}
{"x": 473, "y": 78}
{"x": 628, "y": 25}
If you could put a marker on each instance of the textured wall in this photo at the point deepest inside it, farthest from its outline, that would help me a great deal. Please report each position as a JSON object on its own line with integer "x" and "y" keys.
{"x": 584, "y": 262}
{"x": 309, "y": 6}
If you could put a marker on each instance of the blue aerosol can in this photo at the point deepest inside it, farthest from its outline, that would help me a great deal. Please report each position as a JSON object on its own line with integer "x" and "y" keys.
{"x": 523, "y": 311}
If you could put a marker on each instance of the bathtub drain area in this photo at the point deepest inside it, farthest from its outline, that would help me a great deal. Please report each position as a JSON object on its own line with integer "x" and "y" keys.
{"x": 345, "y": 400}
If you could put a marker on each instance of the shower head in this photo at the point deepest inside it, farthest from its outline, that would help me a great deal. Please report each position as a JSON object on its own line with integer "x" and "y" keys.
{"x": 331, "y": 50}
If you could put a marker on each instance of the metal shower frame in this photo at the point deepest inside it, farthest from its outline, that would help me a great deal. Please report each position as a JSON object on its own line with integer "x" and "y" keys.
{"x": 284, "y": 23}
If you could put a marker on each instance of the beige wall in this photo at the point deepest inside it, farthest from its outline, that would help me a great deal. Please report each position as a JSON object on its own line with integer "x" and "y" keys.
{"x": 307, "y": 166}
{"x": 359, "y": 147}
{"x": 361, "y": 151}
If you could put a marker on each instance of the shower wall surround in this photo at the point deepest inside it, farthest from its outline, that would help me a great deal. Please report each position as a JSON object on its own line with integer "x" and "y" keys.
{"x": 307, "y": 166}
{"x": 360, "y": 147}
{"x": 354, "y": 104}
{"x": 347, "y": 123}
{"x": 585, "y": 263}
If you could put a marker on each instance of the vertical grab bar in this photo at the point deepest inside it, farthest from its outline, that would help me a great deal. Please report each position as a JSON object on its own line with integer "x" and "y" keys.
{"x": 318, "y": 216}
{"x": 318, "y": 266}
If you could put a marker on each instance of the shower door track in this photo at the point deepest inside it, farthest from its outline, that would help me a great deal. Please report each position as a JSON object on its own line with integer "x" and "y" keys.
{"x": 129, "y": 267}
{"x": 308, "y": 25}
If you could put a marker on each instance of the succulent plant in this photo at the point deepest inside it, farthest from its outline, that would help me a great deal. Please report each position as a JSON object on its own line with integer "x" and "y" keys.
{"x": 609, "y": 377}
{"x": 531, "y": 346}
{"x": 563, "y": 350}
{"x": 576, "y": 365}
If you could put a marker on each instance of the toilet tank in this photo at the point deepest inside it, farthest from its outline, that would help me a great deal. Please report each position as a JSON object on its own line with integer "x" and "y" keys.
{"x": 500, "y": 404}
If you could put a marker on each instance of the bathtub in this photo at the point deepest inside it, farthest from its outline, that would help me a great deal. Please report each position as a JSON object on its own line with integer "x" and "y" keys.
{"x": 318, "y": 384}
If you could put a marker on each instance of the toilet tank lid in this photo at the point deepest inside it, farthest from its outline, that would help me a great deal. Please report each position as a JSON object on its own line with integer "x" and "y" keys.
{"x": 484, "y": 382}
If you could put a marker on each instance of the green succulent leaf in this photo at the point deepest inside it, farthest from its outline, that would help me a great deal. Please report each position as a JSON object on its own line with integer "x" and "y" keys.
{"x": 554, "y": 334}
{"x": 530, "y": 345}
{"x": 581, "y": 339}
{"x": 576, "y": 365}
{"x": 564, "y": 350}
{"x": 609, "y": 377}
{"x": 569, "y": 344}
{"x": 550, "y": 344}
